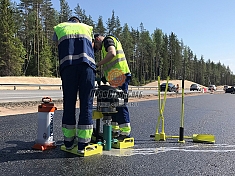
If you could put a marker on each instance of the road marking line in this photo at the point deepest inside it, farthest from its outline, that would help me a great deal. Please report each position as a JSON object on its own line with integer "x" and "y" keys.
{"x": 221, "y": 148}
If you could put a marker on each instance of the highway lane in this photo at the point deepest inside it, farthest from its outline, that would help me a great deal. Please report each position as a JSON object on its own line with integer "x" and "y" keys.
{"x": 37, "y": 95}
{"x": 28, "y": 95}
{"x": 205, "y": 114}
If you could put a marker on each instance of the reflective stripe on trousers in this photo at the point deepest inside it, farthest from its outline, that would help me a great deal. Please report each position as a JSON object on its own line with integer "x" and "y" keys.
{"x": 84, "y": 133}
{"x": 69, "y": 132}
{"x": 125, "y": 129}
{"x": 115, "y": 127}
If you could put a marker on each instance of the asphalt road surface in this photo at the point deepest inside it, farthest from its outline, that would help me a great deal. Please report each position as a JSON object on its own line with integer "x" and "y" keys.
{"x": 204, "y": 114}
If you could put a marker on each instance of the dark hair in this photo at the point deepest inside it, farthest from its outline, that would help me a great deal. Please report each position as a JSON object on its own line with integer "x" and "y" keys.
{"x": 96, "y": 35}
{"x": 74, "y": 19}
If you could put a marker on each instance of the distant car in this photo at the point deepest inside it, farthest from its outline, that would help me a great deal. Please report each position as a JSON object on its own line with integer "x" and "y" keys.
{"x": 225, "y": 87}
{"x": 232, "y": 90}
{"x": 196, "y": 87}
{"x": 171, "y": 87}
{"x": 212, "y": 87}
{"x": 229, "y": 89}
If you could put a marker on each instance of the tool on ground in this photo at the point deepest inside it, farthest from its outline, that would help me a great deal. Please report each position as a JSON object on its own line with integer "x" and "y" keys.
{"x": 181, "y": 130}
{"x": 44, "y": 139}
{"x": 202, "y": 138}
{"x": 161, "y": 136}
{"x": 91, "y": 149}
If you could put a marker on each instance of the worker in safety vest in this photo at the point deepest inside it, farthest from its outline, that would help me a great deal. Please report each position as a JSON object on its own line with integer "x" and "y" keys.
{"x": 117, "y": 73}
{"x": 77, "y": 70}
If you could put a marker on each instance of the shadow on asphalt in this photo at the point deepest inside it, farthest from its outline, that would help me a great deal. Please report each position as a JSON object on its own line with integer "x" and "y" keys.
{"x": 23, "y": 151}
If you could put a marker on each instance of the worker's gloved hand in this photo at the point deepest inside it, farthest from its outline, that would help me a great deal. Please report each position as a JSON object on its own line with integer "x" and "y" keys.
{"x": 103, "y": 79}
{"x": 97, "y": 79}
{"x": 97, "y": 71}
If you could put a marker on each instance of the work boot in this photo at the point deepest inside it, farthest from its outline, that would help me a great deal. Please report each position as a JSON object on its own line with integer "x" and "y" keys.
{"x": 81, "y": 151}
{"x": 115, "y": 134}
{"x": 74, "y": 144}
{"x": 81, "y": 147}
{"x": 121, "y": 137}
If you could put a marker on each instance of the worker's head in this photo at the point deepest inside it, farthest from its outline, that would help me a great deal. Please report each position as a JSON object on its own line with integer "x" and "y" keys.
{"x": 98, "y": 42}
{"x": 74, "y": 19}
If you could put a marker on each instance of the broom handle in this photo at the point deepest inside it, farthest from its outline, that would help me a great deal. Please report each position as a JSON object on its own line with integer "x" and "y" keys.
{"x": 163, "y": 104}
{"x": 181, "y": 136}
{"x": 159, "y": 104}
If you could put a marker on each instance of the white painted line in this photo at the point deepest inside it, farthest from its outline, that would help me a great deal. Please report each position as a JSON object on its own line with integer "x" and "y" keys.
{"x": 219, "y": 148}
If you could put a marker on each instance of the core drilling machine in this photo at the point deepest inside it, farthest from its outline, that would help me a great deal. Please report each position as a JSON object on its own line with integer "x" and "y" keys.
{"x": 108, "y": 98}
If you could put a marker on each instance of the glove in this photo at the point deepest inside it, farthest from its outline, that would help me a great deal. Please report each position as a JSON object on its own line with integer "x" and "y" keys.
{"x": 103, "y": 79}
{"x": 97, "y": 71}
{"x": 97, "y": 79}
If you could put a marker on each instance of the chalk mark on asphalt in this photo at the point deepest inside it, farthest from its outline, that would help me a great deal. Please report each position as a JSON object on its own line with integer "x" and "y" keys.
{"x": 219, "y": 148}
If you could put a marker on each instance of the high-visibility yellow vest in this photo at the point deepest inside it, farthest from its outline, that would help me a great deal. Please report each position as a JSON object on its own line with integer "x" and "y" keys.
{"x": 75, "y": 44}
{"x": 119, "y": 62}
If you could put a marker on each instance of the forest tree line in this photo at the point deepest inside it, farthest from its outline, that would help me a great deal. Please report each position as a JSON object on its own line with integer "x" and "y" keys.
{"x": 27, "y": 49}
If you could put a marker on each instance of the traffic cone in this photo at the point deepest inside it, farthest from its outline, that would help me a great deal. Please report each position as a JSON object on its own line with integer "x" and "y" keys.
{"x": 44, "y": 139}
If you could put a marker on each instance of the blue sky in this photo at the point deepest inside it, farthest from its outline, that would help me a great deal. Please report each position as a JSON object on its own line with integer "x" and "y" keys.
{"x": 206, "y": 26}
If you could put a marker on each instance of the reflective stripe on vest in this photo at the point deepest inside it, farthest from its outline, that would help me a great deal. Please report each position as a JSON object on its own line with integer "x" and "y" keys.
{"x": 74, "y": 36}
{"x": 84, "y": 133}
{"x": 74, "y": 43}
{"x": 75, "y": 57}
{"x": 118, "y": 62}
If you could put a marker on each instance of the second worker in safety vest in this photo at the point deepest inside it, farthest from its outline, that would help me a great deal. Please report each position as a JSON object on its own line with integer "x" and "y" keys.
{"x": 117, "y": 73}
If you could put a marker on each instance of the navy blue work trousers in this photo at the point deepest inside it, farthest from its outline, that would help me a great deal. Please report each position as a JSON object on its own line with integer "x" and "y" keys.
{"x": 77, "y": 78}
{"x": 122, "y": 116}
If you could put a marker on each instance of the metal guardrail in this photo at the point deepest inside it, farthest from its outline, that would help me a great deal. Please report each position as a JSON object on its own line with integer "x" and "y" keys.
{"x": 142, "y": 87}
{"x": 32, "y": 85}
{"x": 60, "y": 86}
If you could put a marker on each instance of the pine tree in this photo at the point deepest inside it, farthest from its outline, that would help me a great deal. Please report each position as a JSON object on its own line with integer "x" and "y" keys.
{"x": 114, "y": 25}
{"x": 45, "y": 60}
{"x": 202, "y": 66}
{"x": 111, "y": 24}
{"x": 127, "y": 45}
{"x": 164, "y": 58}
{"x": 50, "y": 19}
{"x": 157, "y": 49}
{"x": 65, "y": 11}
{"x": 136, "y": 57}
{"x": 81, "y": 14}
{"x": 11, "y": 49}
{"x": 99, "y": 28}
